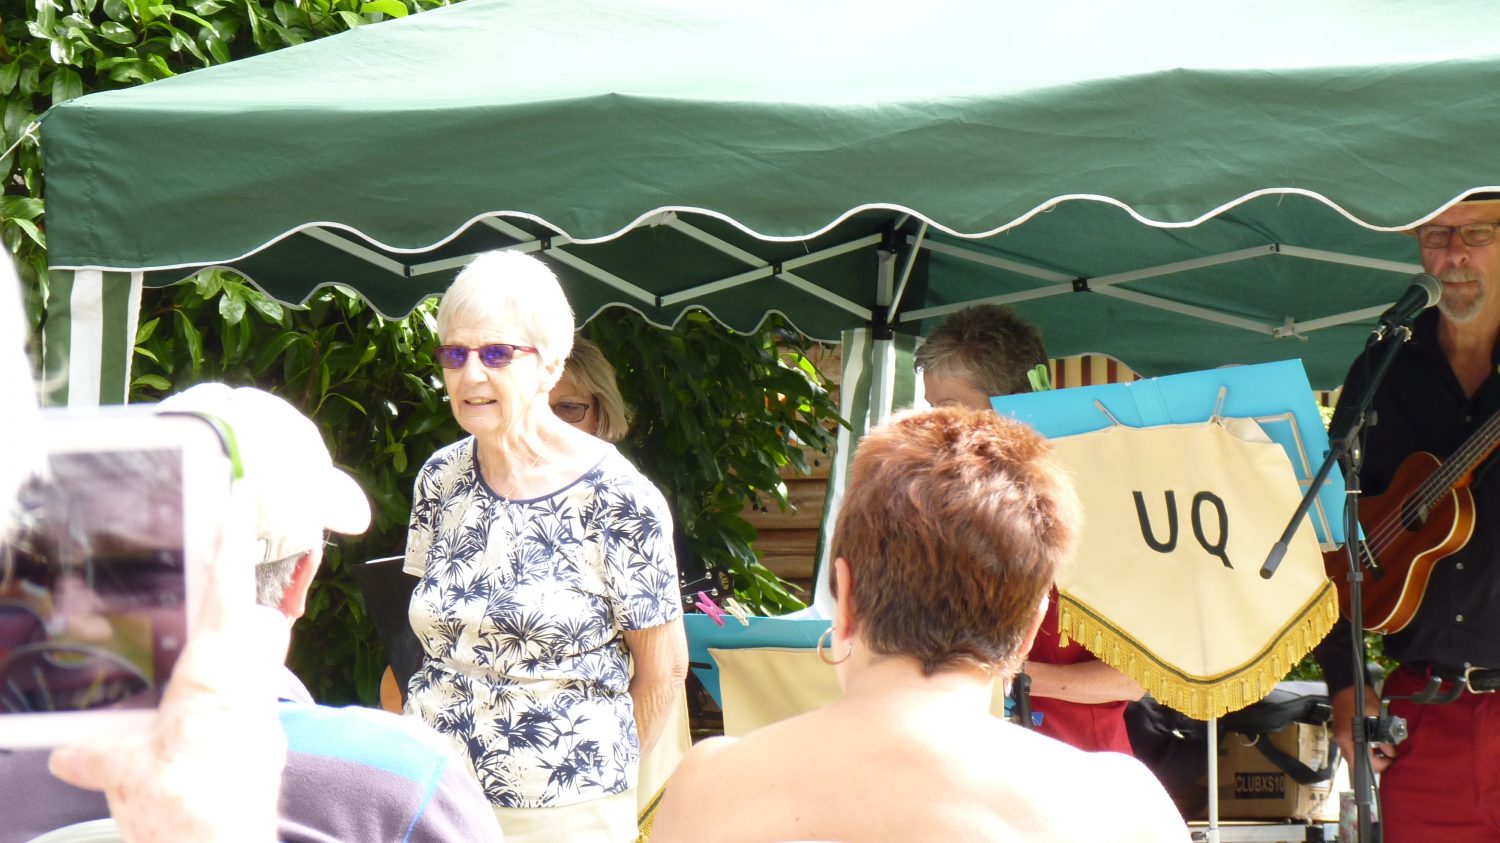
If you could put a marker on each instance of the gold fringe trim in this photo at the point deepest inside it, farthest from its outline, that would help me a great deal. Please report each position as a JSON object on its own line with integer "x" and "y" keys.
{"x": 1201, "y": 697}
{"x": 646, "y": 819}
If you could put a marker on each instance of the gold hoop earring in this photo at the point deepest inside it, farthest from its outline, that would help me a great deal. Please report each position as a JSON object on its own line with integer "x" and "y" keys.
{"x": 825, "y": 640}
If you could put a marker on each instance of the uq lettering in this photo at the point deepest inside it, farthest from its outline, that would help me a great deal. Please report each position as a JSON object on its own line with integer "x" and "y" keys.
{"x": 1216, "y": 548}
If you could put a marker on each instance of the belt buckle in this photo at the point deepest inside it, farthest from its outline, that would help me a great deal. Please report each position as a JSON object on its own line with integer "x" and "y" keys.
{"x": 1468, "y": 686}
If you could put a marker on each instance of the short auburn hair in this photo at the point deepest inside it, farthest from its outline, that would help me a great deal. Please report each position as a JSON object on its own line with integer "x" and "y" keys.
{"x": 987, "y": 345}
{"x": 953, "y": 526}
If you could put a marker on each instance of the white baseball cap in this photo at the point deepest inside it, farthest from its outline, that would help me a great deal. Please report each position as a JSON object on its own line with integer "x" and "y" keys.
{"x": 296, "y": 489}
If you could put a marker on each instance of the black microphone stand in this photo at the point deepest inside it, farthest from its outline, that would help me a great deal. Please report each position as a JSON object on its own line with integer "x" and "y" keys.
{"x": 1350, "y": 441}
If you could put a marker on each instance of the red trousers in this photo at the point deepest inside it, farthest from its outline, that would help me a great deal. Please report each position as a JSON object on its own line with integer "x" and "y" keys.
{"x": 1445, "y": 782}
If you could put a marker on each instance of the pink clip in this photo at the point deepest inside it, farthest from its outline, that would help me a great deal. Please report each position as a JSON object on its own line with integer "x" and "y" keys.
{"x": 707, "y": 605}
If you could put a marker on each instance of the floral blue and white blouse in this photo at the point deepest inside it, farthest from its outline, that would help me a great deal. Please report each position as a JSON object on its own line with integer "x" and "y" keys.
{"x": 520, "y": 608}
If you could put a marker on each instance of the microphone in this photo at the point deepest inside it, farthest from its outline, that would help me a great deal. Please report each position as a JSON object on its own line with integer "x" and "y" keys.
{"x": 1424, "y": 292}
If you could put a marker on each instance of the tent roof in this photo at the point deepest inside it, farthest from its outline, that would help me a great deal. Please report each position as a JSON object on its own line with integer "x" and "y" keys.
{"x": 1077, "y": 140}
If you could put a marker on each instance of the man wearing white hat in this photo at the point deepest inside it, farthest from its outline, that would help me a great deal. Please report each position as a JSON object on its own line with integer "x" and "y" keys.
{"x": 352, "y": 774}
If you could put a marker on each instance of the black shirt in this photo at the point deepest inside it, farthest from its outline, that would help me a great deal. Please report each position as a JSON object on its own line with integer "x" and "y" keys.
{"x": 1422, "y": 407}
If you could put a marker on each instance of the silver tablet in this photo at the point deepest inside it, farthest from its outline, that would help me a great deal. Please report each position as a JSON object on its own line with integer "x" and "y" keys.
{"x": 103, "y": 568}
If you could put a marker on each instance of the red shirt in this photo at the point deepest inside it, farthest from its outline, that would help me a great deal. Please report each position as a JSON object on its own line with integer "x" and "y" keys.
{"x": 1093, "y": 728}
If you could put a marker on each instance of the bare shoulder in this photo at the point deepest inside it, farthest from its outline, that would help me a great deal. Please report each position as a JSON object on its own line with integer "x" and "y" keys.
{"x": 1139, "y": 807}
{"x": 740, "y": 788}
{"x": 688, "y": 802}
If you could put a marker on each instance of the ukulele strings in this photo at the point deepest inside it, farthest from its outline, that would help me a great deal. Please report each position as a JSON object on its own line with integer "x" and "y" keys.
{"x": 1479, "y": 446}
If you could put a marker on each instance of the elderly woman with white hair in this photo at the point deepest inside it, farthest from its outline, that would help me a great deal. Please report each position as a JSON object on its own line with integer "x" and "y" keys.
{"x": 547, "y": 605}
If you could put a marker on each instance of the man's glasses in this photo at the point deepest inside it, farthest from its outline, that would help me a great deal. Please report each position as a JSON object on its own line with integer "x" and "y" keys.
{"x": 1473, "y": 234}
{"x": 495, "y": 356}
{"x": 571, "y": 412}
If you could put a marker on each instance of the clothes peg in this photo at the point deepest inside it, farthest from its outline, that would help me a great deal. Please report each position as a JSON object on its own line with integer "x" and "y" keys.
{"x": 737, "y": 610}
{"x": 707, "y": 606}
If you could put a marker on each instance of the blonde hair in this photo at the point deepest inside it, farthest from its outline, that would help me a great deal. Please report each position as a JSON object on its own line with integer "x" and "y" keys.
{"x": 591, "y": 372}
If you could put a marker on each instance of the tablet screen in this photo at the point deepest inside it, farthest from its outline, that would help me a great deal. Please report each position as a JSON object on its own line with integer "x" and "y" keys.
{"x": 99, "y": 574}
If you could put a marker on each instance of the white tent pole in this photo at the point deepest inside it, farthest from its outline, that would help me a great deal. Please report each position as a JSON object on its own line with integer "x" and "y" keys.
{"x": 986, "y": 259}
{"x": 554, "y": 249}
{"x": 854, "y": 395}
{"x": 767, "y": 270}
{"x": 679, "y": 225}
{"x": 1008, "y": 298}
{"x": 445, "y": 264}
{"x": 1213, "y": 780}
{"x": 911, "y": 261}
{"x": 1351, "y": 260}
{"x": 866, "y": 389}
{"x": 1361, "y": 315}
{"x": 1188, "y": 310}
{"x": 1237, "y": 256}
{"x": 364, "y": 253}
{"x": 1060, "y": 284}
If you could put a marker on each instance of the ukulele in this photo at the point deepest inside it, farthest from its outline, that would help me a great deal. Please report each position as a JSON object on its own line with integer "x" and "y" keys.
{"x": 1425, "y": 515}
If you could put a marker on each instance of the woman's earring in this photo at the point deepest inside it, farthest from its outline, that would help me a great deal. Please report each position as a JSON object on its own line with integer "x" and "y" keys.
{"x": 823, "y": 641}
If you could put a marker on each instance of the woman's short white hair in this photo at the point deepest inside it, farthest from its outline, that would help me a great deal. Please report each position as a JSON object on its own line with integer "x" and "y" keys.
{"x": 510, "y": 285}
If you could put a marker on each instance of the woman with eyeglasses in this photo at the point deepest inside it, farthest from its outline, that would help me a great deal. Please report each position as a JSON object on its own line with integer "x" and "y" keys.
{"x": 545, "y": 570}
{"x": 587, "y": 396}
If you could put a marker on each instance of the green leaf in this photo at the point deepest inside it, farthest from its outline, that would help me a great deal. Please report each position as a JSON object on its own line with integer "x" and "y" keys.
{"x": 10, "y": 74}
{"x": 208, "y": 283}
{"x": 254, "y": 14}
{"x": 20, "y": 207}
{"x": 117, "y": 32}
{"x": 183, "y": 13}
{"x": 159, "y": 64}
{"x": 156, "y": 382}
{"x": 231, "y": 307}
{"x": 268, "y": 307}
{"x": 351, "y": 402}
{"x": 46, "y": 16}
{"x": 27, "y": 85}
{"x": 216, "y": 47}
{"x": 131, "y": 70}
{"x": 143, "y": 334}
{"x": 234, "y": 350}
{"x": 194, "y": 339}
{"x": 350, "y": 19}
{"x": 273, "y": 350}
{"x": 65, "y": 85}
{"x": 389, "y": 8}
{"x": 31, "y": 231}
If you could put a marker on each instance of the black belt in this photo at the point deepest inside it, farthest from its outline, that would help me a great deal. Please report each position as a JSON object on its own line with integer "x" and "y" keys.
{"x": 1475, "y": 680}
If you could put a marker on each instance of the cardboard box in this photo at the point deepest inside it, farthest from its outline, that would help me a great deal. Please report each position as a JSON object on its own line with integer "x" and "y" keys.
{"x": 1252, "y": 787}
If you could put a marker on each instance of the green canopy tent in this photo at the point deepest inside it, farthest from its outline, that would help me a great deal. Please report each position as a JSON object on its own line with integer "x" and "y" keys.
{"x": 1177, "y": 184}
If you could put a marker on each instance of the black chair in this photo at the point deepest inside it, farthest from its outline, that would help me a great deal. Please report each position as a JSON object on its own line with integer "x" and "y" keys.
{"x": 387, "y": 590}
